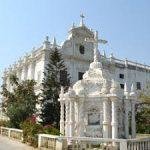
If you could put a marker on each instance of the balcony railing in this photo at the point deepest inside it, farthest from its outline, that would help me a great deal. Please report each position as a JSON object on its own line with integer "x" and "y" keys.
{"x": 12, "y": 133}
{"x": 87, "y": 143}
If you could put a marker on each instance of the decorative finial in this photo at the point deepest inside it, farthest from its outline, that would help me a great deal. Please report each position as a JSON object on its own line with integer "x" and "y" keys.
{"x": 82, "y": 22}
{"x": 54, "y": 42}
{"x": 73, "y": 25}
{"x": 126, "y": 62}
{"x": 126, "y": 93}
{"x": 104, "y": 54}
{"x": 115, "y": 89}
{"x": 47, "y": 38}
{"x": 133, "y": 90}
{"x": 96, "y": 52}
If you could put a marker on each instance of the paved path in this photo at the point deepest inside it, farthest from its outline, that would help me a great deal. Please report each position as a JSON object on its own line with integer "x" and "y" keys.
{"x": 8, "y": 144}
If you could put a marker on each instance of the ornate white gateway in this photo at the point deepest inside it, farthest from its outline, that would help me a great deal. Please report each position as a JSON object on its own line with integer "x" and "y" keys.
{"x": 95, "y": 106}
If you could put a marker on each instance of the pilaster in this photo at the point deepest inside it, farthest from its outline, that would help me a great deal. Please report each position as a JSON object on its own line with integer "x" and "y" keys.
{"x": 126, "y": 120}
{"x": 133, "y": 122}
{"x": 67, "y": 119}
{"x": 106, "y": 121}
{"x": 114, "y": 121}
{"x": 62, "y": 126}
{"x": 71, "y": 118}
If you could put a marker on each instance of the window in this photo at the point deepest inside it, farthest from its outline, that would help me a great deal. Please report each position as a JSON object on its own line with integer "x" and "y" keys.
{"x": 121, "y": 76}
{"x": 80, "y": 75}
{"x": 63, "y": 77}
{"x": 138, "y": 85}
{"x": 81, "y": 49}
{"x": 122, "y": 86}
{"x": 93, "y": 118}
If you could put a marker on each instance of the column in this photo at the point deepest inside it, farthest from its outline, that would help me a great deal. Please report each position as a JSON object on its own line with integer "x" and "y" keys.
{"x": 71, "y": 118}
{"x": 133, "y": 123}
{"x": 62, "y": 118}
{"x": 67, "y": 118}
{"x": 81, "y": 119}
{"x": 106, "y": 122}
{"x": 114, "y": 122}
{"x": 126, "y": 120}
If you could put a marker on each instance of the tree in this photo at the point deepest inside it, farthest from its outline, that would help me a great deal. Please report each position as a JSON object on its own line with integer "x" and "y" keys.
{"x": 55, "y": 76}
{"x": 143, "y": 114}
{"x": 21, "y": 102}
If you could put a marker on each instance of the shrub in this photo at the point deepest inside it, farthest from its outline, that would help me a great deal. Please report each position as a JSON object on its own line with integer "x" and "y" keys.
{"x": 30, "y": 131}
{"x": 48, "y": 129}
{"x": 4, "y": 123}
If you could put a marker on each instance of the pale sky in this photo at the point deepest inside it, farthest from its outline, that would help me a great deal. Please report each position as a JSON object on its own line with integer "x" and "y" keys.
{"x": 125, "y": 24}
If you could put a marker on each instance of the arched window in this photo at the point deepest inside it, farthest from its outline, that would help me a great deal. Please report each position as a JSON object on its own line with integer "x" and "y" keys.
{"x": 81, "y": 49}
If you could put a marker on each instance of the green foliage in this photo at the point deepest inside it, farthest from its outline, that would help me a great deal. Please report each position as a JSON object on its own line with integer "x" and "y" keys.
{"x": 31, "y": 130}
{"x": 55, "y": 76}
{"x": 143, "y": 118}
{"x": 48, "y": 129}
{"x": 4, "y": 123}
{"x": 21, "y": 102}
{"x": 143, "y": 115}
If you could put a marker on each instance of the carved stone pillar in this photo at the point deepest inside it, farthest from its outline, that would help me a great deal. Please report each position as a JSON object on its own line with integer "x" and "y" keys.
{"x": 126, "y": 120}
{"x": 62, "y": 118}
{"x": 71, "y": 118}
{"x": 67, "y": 119}
{"x": 106, "y": 122}
{"x": 114, "y": 121}
{"x": 133, "y": 123}
{"x": 81, "y": 119}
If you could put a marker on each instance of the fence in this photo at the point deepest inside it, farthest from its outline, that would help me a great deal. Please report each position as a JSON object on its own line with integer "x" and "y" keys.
{"x": 51, "y": 142}
{"x": 12, "y": 133}
{"x": 87, "y": 143}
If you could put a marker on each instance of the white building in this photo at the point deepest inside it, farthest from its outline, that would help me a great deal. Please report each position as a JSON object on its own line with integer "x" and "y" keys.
{"x": 96, "y": 106}
{"x": 77, "y": 52}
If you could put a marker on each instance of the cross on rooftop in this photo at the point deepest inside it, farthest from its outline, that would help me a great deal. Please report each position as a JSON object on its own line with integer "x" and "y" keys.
{"x": 82, "y": 17}
{"x": 96, "y": 41}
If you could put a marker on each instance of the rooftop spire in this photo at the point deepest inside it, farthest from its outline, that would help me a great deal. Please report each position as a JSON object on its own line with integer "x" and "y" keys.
{"x": 54, "y": 42}
{"x": 46, "y": 43}
{"x": 81, "y": 21}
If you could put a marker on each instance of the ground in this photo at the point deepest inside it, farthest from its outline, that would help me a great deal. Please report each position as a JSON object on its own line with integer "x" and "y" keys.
{"x": 8, "y": 144}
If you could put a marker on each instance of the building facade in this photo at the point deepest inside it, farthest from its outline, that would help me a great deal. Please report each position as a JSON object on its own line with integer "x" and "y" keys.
{"x": 96, "y": 107}
{"x": 77, "y": 52}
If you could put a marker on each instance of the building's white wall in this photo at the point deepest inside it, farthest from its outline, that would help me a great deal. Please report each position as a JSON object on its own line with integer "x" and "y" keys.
{"x": 33, "y": 65}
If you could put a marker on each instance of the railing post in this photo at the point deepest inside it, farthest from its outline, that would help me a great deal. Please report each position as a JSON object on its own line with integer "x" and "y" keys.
{"x": 39, "y": 140}
{"x": 123, "y": 145}
{"x": 1, "y": 130}
{"x": 9, "y": 130}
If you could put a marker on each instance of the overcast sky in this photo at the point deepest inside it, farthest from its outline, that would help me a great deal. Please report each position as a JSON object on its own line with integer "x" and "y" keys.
{"x": 25, "y": 23}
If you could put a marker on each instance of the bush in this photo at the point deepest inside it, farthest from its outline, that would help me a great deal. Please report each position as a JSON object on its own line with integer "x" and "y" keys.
{"x": 4, "y": 123}
{"x": 31, "y": 130}
{"x": 48, "y": 129}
